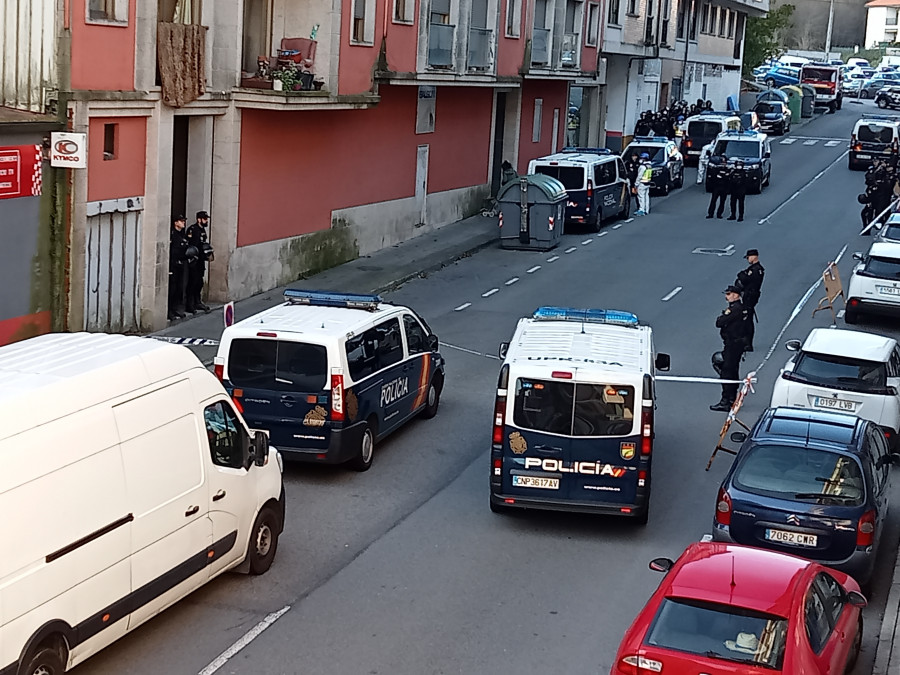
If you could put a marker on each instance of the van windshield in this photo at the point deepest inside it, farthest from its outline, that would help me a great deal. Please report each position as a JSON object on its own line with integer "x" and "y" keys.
{"x": 572, "y": 177}
{"x": 840, "y": 372}
{"x": 570, "y": 409}
{"x": 819, "y": 74}
{"x": 277, "y": 365}
{"x": 704, "y": 129}
{"x": 875, "y": 133}
{"x": 734, "y": 148}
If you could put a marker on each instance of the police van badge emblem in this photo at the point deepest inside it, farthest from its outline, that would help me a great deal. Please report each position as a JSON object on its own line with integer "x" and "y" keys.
{"x": 626, "y": 450}
{"x": 315, "y": 417}
{"x": 517, "y": 443}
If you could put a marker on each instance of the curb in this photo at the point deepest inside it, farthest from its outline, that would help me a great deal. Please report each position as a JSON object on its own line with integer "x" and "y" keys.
{"x": 887, "y": 660}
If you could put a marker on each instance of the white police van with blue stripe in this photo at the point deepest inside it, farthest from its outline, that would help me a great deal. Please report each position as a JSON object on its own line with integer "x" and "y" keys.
{"x": 573, "y": 420}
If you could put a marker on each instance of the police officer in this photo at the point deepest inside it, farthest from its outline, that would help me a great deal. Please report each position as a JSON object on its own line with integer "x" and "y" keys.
{"x": 178, "y": 262}
{"x": 732, "y": 325}
{"x": 198, "y": 237}
{"x": 644, "y": 126}
{"x": 644, "y": 179}
{"x": 632, "y": 166}
{"x": 737, "y": 188}
{"x": 720, "y": 188}
{"x": 749, "y": 282}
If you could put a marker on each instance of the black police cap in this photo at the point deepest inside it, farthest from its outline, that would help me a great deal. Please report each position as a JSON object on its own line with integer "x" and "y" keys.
{"x": 732, "y": 289}
{"x": 202, "y": 214}
{"x": 751, "y": 251}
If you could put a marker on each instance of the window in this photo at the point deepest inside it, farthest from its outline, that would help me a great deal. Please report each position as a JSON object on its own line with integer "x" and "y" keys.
{"x": 513, "y": 17}
{"x": 107, "y": 11}
{"x": 363, "y": 30}
{"x": 110, "y": 133}
{"x": 604, "y": 174}
{"x": 377, "y": 348}
{"x": 833, "y": 596}
{"x": 277, "y": 365}
{"x": 693, "y": 16}
{"x": 574, "y": 409}
{"x": 878, "y": 447}
{"x": 403, "y": 11}
{"x": 440, "y": 11}
{"x": 536, "y": 122}
{"x": 572, "y": 177}
{"x": 228, "y": 443}
{"x": 818, "y": 627}
{"x": 612, "y": 15}
{"x": 682, "y": 19}
{"x": 731, "y": 16}
{"x": 620, "y": 166}
{"x": 593, "y": 26}
{"x": 723, "y": 20}
{"x": 704, "y": 18}
{"x": 633, "y": 8}
{"x": 416, "y": 338}
{"x": 882, "y": 268}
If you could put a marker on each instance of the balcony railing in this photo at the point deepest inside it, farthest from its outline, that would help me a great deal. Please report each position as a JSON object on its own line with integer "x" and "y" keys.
{"x": 540, "y": 46}
{"x": 440, "y": 45}
{"x": 568, "y": 53}
{"x": 480, "y": 40}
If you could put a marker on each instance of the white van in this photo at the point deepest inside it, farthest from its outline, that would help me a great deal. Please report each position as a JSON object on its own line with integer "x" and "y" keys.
{"x": 128, "y": 481}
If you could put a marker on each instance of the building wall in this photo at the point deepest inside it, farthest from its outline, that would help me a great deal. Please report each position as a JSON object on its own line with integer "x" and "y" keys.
{"x": 102, "y": 54}
{"x": 358, "y": 60}
{"x": 123, "y": 175}
{"x": 875, "y": 19}
{"x": 510, "y": 50}
{"x": 401, "y": 41}
{"x": 554, "y": 96}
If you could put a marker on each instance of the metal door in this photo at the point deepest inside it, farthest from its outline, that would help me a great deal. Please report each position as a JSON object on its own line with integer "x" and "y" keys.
{"x": 112, "y": 272}
{"x": 421, "y": 180}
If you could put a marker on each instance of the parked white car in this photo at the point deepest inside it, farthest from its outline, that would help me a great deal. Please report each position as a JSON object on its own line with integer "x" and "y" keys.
{"x": 875, "y": 281}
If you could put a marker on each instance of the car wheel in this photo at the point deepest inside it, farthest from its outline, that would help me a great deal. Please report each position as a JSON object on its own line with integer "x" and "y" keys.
{"x": 863, "y": 93}
{"x": 781, "y": 130}
{"x": 433, "y": 398}
{"x": 679, "y": 182}
{"x": 644, "y": 517}
{"x": 667, "y": 185}
{"x": 851, "y": 316}
{"x": 856, "y": 648}
{"x": 263, "y": 541}
{"x": 45, "y": 661}
{"x": 840, "y": 102}
{"x": 832, "y": 108}
{"x": 881, "y": 103}
{"x": 770, "y": 83}
{"x": 366, "y": 450}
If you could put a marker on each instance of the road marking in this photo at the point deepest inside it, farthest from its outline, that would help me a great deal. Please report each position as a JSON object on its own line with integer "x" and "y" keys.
{"x": 788, "y": 141}
{"x": 512, "y": 281}
{"x": 810, "y": 182}
{"x": 840, "y": 314}
{"x": 533, "y": 269}
{"x": 554, "y": 258}
{"x": 672, "y": 294}
{"x": 715, "y": 251}
{"x": 462, "y": 307}
{"x": 571, "y": 249}
{"x": 821, "y": 138}
{"x": 618, "y": 225}
{"x": 729, "y": 249}
{"x": 603, "y": 234}
{"x": 627, "y": 221}
{"x": 469, "y": 351}
{"x": 811, "y": 141}
{"x": 831, "y": 144}
{"x": 490, "y": 293}
{"x": 586, "y": 242}
{"x": 245, "y": 640}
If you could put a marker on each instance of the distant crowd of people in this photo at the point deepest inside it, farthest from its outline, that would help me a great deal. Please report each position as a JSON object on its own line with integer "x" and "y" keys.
{"x": 669, "y": 122}
{"x": 882, "y": 184}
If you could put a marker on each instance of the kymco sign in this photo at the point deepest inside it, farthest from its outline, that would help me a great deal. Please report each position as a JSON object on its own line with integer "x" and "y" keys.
{"x": 68, "y": 150}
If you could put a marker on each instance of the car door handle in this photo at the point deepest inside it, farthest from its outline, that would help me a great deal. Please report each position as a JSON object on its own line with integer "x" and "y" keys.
{"x": 288, "y": 399}
{"x": 191, "y": 511}
{"x": 547, "y": 450}
{"x": 219, "y": 495}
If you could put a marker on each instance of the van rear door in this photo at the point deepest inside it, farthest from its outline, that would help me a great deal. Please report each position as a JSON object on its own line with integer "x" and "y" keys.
{"x": 283, "y": 387}
{"x": 578, "y": 202}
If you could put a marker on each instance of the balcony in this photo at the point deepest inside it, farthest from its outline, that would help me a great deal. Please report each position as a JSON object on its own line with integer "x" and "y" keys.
{"x": 568, "y": 53}
{"x": 540, "y": 46}
{"x": 440, "y": 45}
{"x": 480, "y": 42}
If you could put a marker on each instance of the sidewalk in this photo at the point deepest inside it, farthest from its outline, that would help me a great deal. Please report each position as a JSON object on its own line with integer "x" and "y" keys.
{"x": 887, "y": 651}
{"x": 376, "y": 273}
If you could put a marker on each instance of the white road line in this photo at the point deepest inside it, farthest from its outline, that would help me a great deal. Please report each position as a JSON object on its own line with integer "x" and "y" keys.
{"x": 603, "y": 234}
{"x": 469, "y": 351}
{"x": 808, "y": 183}
{"x": 571, "y": 249}
{"x": 627, "y": 221}
{"x": 821, "y": 138}
{"x": 552, "y": 259}
{"x": 840, "y": 314}
{"x": 672, "y": 294}
{"x": 788, "y": 141}
{"x": 489, "y": 293}
{"x": 811, "y": 141}
{"x": 533, "y": 269}
{"x": 245, "y": 640}
{"x": 618, "y": 225}
{"x": 462, "y": 307}
{"x": 797, "y": 309}
{"x": 728, "y": 248}
{"x": 512, "y": 281}
{"x": 831, "y": 144}
{"x": 586, "y": 242}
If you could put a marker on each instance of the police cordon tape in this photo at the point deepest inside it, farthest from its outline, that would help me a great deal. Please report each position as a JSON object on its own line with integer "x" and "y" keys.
{"x": 191, "y": 341}
{"x": 876, "y": 218}
{"x": 704, "y": 380}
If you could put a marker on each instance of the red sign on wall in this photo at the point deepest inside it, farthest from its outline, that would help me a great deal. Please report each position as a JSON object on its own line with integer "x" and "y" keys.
{"x": 20, "y": 171}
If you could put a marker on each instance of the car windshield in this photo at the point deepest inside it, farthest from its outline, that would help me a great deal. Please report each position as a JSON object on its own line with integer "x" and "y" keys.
{"x": 572, "y": 177}
{"x": 819, "y": 74}
{"x": 884, "y": 268}
{"x": 803, "y": 474}
{"x": 764, "y": 108}
{"x": 277, "y": 365}
{"x": 593, "y": 410}
{"x": 875, "y": 133}
{"x": 735, "y": 148}
{"x": 704, "y": 129}
{"x": 840, "y": 372}
{"x": 719, "y": 631}
{"x": 891, "y": 231}
{"x": 656, "y": 152}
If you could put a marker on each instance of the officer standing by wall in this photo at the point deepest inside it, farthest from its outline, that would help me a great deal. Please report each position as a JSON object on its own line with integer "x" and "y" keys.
{"x": 737, "y": 188}
{"x": 732, "y": 325}
{"x": 645, "y": 178}
{"x": 178, "y": 261}
{"x": 198, "y": 237}
{"x": 749, "y": 282}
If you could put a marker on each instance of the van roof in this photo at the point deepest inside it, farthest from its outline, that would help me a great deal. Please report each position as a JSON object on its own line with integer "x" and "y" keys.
{"x": 51, "y": 376}
{"x": 579, "y": 158}
{"x": 313, "y": 320}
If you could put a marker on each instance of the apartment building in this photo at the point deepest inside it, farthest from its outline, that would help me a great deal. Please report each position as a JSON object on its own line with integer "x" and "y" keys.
{"x": 881, "y": 22}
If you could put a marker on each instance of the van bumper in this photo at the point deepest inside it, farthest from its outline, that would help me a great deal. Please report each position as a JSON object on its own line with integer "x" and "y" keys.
{"x": 605, "y": 508}
{"x": 343, "y": 445}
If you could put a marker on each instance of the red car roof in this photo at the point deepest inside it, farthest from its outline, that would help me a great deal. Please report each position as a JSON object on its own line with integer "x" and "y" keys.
{"x": 763, "y": 580}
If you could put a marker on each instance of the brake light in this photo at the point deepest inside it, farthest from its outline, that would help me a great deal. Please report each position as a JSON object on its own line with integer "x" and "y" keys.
{"x": 646, "y": 431}
{"x": 688, "y": 143}
{"x": 635, "y": 663}
{"x": 237, "y": 404}
{"x": 266, "y": 334}
{"x": 723, "y": 508}
{"x": 865, "y": 529}
{"x": 219, "y": 370}
{"x": 561, "y": 375}
{"x": 337, "y": 395}
{"x": 500, "y": 408}
{"x": 853, "y": 302}
{"x": 590, "y": 189}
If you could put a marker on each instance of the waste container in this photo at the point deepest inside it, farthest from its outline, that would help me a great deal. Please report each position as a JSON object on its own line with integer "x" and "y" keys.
{"x": 795, "y": 100}
{"x": 532, "y": 212}
{"x": 808, "y": 103}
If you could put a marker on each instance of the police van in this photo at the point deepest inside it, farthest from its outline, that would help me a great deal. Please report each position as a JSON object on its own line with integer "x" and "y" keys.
{"x": 873, "y": 137}
{"x": 703, "y": 128}
{"x": 330, "y": 374}
{"x": 573, "y": 419}
{"x": 596, "y": 183}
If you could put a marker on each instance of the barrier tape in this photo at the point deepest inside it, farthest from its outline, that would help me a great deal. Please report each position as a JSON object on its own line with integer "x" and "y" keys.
{"x": 876, "y": 218}
{"x": 190, "y": 341}
{"x": 704, "y": 380}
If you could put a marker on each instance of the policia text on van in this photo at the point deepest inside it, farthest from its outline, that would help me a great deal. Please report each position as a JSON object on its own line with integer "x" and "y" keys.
{"x": 573, "y": 420}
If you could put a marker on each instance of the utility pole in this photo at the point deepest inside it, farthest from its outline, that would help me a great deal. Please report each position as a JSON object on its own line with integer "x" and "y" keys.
{"x": 828, "y": 33}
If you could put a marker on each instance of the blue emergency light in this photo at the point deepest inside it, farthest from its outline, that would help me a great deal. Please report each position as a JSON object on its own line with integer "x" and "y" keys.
{"x": 650, "y": 139}
{"x": 609, "y": 316}
{"x": 596, "y": 151}
{"x": 296, "y": 296}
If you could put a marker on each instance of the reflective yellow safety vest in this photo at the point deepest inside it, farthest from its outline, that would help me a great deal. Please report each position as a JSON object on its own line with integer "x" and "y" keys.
{"x": 646, "y": 174}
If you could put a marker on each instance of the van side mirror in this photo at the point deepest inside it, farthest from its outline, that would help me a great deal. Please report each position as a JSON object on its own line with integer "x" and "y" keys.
{"x": 663, "y": 361}
{"x": 433, "y": 343}
{"x": 895, "y": 458}
{"x": 767, "y": 154}
{"x": 857, "y": 599}
{"x": 504, "y": 348}
{"x": 260, "y": 445}
{"x": 793, "y": 345}
{"x": 738, "y": 436}
{"x": 661, "y": 564}
{"x": 858, "y": 256}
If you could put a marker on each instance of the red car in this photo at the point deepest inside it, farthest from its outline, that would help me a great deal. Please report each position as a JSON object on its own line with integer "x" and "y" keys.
{"x": 724, "y": 608}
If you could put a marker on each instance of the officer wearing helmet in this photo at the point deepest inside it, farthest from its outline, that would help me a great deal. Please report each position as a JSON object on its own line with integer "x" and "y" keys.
{"x": 732, "y": 325}
{"x": 644, "y": 180}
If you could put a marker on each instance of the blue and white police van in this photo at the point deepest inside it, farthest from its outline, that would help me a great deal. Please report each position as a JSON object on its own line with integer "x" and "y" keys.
{"x": 330, "y": 374}
{"x": 573, "y": 420}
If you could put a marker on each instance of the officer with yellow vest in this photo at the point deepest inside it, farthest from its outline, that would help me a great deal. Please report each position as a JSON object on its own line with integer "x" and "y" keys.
{"x": 644, "y": 180}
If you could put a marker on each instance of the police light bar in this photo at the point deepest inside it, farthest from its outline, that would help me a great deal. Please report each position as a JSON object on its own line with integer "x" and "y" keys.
{"x": 607, "y": 316}
{"x": 296, "y": 296}
{"x": 888, "y": 118}
{"x": 598, "y": 151}
{"x": 650, "y": 139}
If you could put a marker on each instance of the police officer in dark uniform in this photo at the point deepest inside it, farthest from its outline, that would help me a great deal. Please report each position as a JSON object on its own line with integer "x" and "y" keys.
{"x": 720, "y": 189}
{"x": 179, "y": 249}
{"x": 737, "y": 188}
{"x": 732, "y": 325}
{"x": 198, "y": 236}
{"x": 749, "y": 282}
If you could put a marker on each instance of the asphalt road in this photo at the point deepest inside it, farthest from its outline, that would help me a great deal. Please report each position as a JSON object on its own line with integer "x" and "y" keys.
{"x": 403, "y": 570}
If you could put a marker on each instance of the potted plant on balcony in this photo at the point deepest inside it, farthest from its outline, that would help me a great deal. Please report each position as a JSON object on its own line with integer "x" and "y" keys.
{"x": 284, "y": 79}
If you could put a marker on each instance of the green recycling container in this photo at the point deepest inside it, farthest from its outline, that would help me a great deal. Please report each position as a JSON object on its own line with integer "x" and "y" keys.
{"x": 795, "y": 101}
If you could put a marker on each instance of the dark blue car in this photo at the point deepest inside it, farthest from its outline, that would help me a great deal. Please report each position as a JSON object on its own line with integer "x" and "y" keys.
{"x": 811, "y": 483}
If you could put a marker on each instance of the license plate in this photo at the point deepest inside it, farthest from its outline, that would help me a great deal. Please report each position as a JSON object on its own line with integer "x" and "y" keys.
{"x": 795, "y": 538}
{"x": 693, "y": 152}
{"x": 889, "y": 290}
{"x": 835, "y": 403}
{"x": 536, "y": 482}
{"x": 864, "y": 157}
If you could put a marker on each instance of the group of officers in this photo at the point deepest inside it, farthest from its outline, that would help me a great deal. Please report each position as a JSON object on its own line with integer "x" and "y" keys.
{"x": 736, "y": 327}
{"x": 669, "y": 122}
{"x": 189, "y": 251}
{"x": 881, "y": 186}
{"x": 732, "y": 183}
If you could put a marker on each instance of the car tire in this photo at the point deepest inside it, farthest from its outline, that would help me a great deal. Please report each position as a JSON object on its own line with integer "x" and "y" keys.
{"x": 881, "y": 103}
{"x": 366, "y": 450}
{"x": 770, "y": 83}
{"x": 433, "y": 397}
{"x": 263, "y": 541}
{"x": 768, "y": 179}
{"x": 832, "y": 108}
{"x": 644, "y": 518}
{"x": 679, "y": 182}
{"x": 667, "y": 185}
{"x": 851, "y": 316}
{"x": 856, "y": 648}
{"x": 840, "y": 102}
{"x": 45, "y": 661}
{"x": 863, "y": 94}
